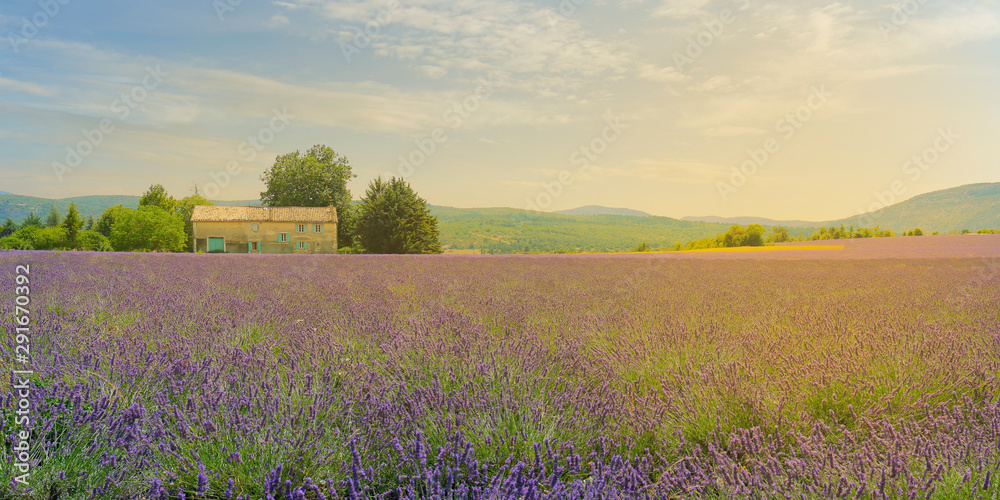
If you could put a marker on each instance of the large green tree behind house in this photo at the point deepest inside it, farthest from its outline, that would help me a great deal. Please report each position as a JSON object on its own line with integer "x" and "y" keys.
{"x": 317, "y": 178}
{"x": 393, "y": 219}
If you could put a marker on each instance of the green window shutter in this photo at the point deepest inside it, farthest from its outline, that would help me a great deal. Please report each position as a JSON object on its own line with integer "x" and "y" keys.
{"x": 249, "y": 247}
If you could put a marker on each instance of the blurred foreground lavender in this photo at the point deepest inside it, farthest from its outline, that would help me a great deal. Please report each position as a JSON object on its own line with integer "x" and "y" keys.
{"x": 302, "y": 377}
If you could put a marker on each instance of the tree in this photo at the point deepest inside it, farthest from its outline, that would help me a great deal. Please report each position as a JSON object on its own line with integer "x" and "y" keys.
{"x": 94, "y": 242}
{"x": 36, "y": 238}
{"x": 31, "y": 220}
{"x": 185, "y": 207}
{"x": 156, "y": 196}
{"x": 13, "y": 242}
{"x": 393, "y": 219}
{"x": 72, "y": 224}
{"x": 754, "y": 236}
{"x": 52, "y": 220}
{"x": 9, "y": 226}
{"x": 149, "y": 228}
{"x": 734, "y": 237}
{"x": 316, "y": 179}
{"x": 779, "y": 234}
{"x": 644, "y": 247}
{"x": 50, "y": 238}
{"x": 107, "y": 220}
{"x": 89, "y": 226}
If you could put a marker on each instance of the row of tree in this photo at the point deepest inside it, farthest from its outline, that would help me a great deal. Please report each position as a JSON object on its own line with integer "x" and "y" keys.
{"x": 160, "y": 223}
{"x": 843, "y": 233}
{"x": 755, "y": 235}
{"x": 55, "y": 233}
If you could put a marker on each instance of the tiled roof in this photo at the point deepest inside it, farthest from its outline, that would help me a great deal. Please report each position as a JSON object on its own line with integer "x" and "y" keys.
{"x": 207, "y": 213}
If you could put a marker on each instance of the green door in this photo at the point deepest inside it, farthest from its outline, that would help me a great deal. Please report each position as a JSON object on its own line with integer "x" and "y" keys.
{"x": 216, "y": 245}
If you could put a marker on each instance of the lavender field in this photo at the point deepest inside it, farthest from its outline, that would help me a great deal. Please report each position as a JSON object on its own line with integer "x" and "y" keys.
{"x": 868, "y": 372}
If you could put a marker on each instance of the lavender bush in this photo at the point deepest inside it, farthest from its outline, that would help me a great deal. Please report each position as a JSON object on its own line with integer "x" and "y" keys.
{"x": 308, "y": 377}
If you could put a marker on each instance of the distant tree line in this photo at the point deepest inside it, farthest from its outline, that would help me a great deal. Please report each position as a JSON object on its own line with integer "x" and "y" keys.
{"x": 754, "y": 235}
{"x": 159, "y": 224}
{"x": 56, "y": 232}
{"x": 391, "y": 218}
{"x": 842, "y": 233}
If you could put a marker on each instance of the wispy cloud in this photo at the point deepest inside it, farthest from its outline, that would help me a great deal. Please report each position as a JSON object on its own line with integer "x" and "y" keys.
{"x": 25, "y": 87}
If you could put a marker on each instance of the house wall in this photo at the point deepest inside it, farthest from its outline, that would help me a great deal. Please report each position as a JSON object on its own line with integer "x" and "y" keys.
{"x": 238, "y": 234}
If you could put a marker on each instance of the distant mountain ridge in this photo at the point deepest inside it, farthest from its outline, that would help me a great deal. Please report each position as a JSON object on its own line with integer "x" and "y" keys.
{"x": 509, "y": 230}
{"x": 599, "y": 210}
{"x": 18, "y": 207}
{"x": 743, "y": 221}
{"x": 972, "y": 207}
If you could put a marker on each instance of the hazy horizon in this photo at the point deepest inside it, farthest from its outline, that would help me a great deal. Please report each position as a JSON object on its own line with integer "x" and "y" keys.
{"x": 642, "y": 104}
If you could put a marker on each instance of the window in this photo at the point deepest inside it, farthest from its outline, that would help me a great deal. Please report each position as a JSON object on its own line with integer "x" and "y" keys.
{"x": 300, "y": 228}
{"x": 254, "y": 227}
{"x": 255, "y": 245}
{"x": 317, "y": 228}
{"x": 282, "y": 237}
{"x": 301, "y": 245}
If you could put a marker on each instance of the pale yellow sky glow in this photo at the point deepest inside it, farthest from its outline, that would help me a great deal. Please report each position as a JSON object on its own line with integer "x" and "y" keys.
{"x": 790, "y": 110}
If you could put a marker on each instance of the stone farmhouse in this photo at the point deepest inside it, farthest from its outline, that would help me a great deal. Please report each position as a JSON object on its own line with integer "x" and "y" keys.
{"x": 295, "y": 230}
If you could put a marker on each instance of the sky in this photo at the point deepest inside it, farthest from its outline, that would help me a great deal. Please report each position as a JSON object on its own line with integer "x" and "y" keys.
{"x": 802, "y": 109}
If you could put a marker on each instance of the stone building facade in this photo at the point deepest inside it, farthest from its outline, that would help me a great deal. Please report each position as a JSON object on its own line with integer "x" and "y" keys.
{"x": 288, "y": 230}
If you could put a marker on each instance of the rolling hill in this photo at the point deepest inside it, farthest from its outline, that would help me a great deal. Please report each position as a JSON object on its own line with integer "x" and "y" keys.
{"x": 973, "y": 206}
{"x": 599, "y": 210}
{"x": 593, "y": 228}
{"x": 18, "y": 207}
{"x": 508, "y": 230}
